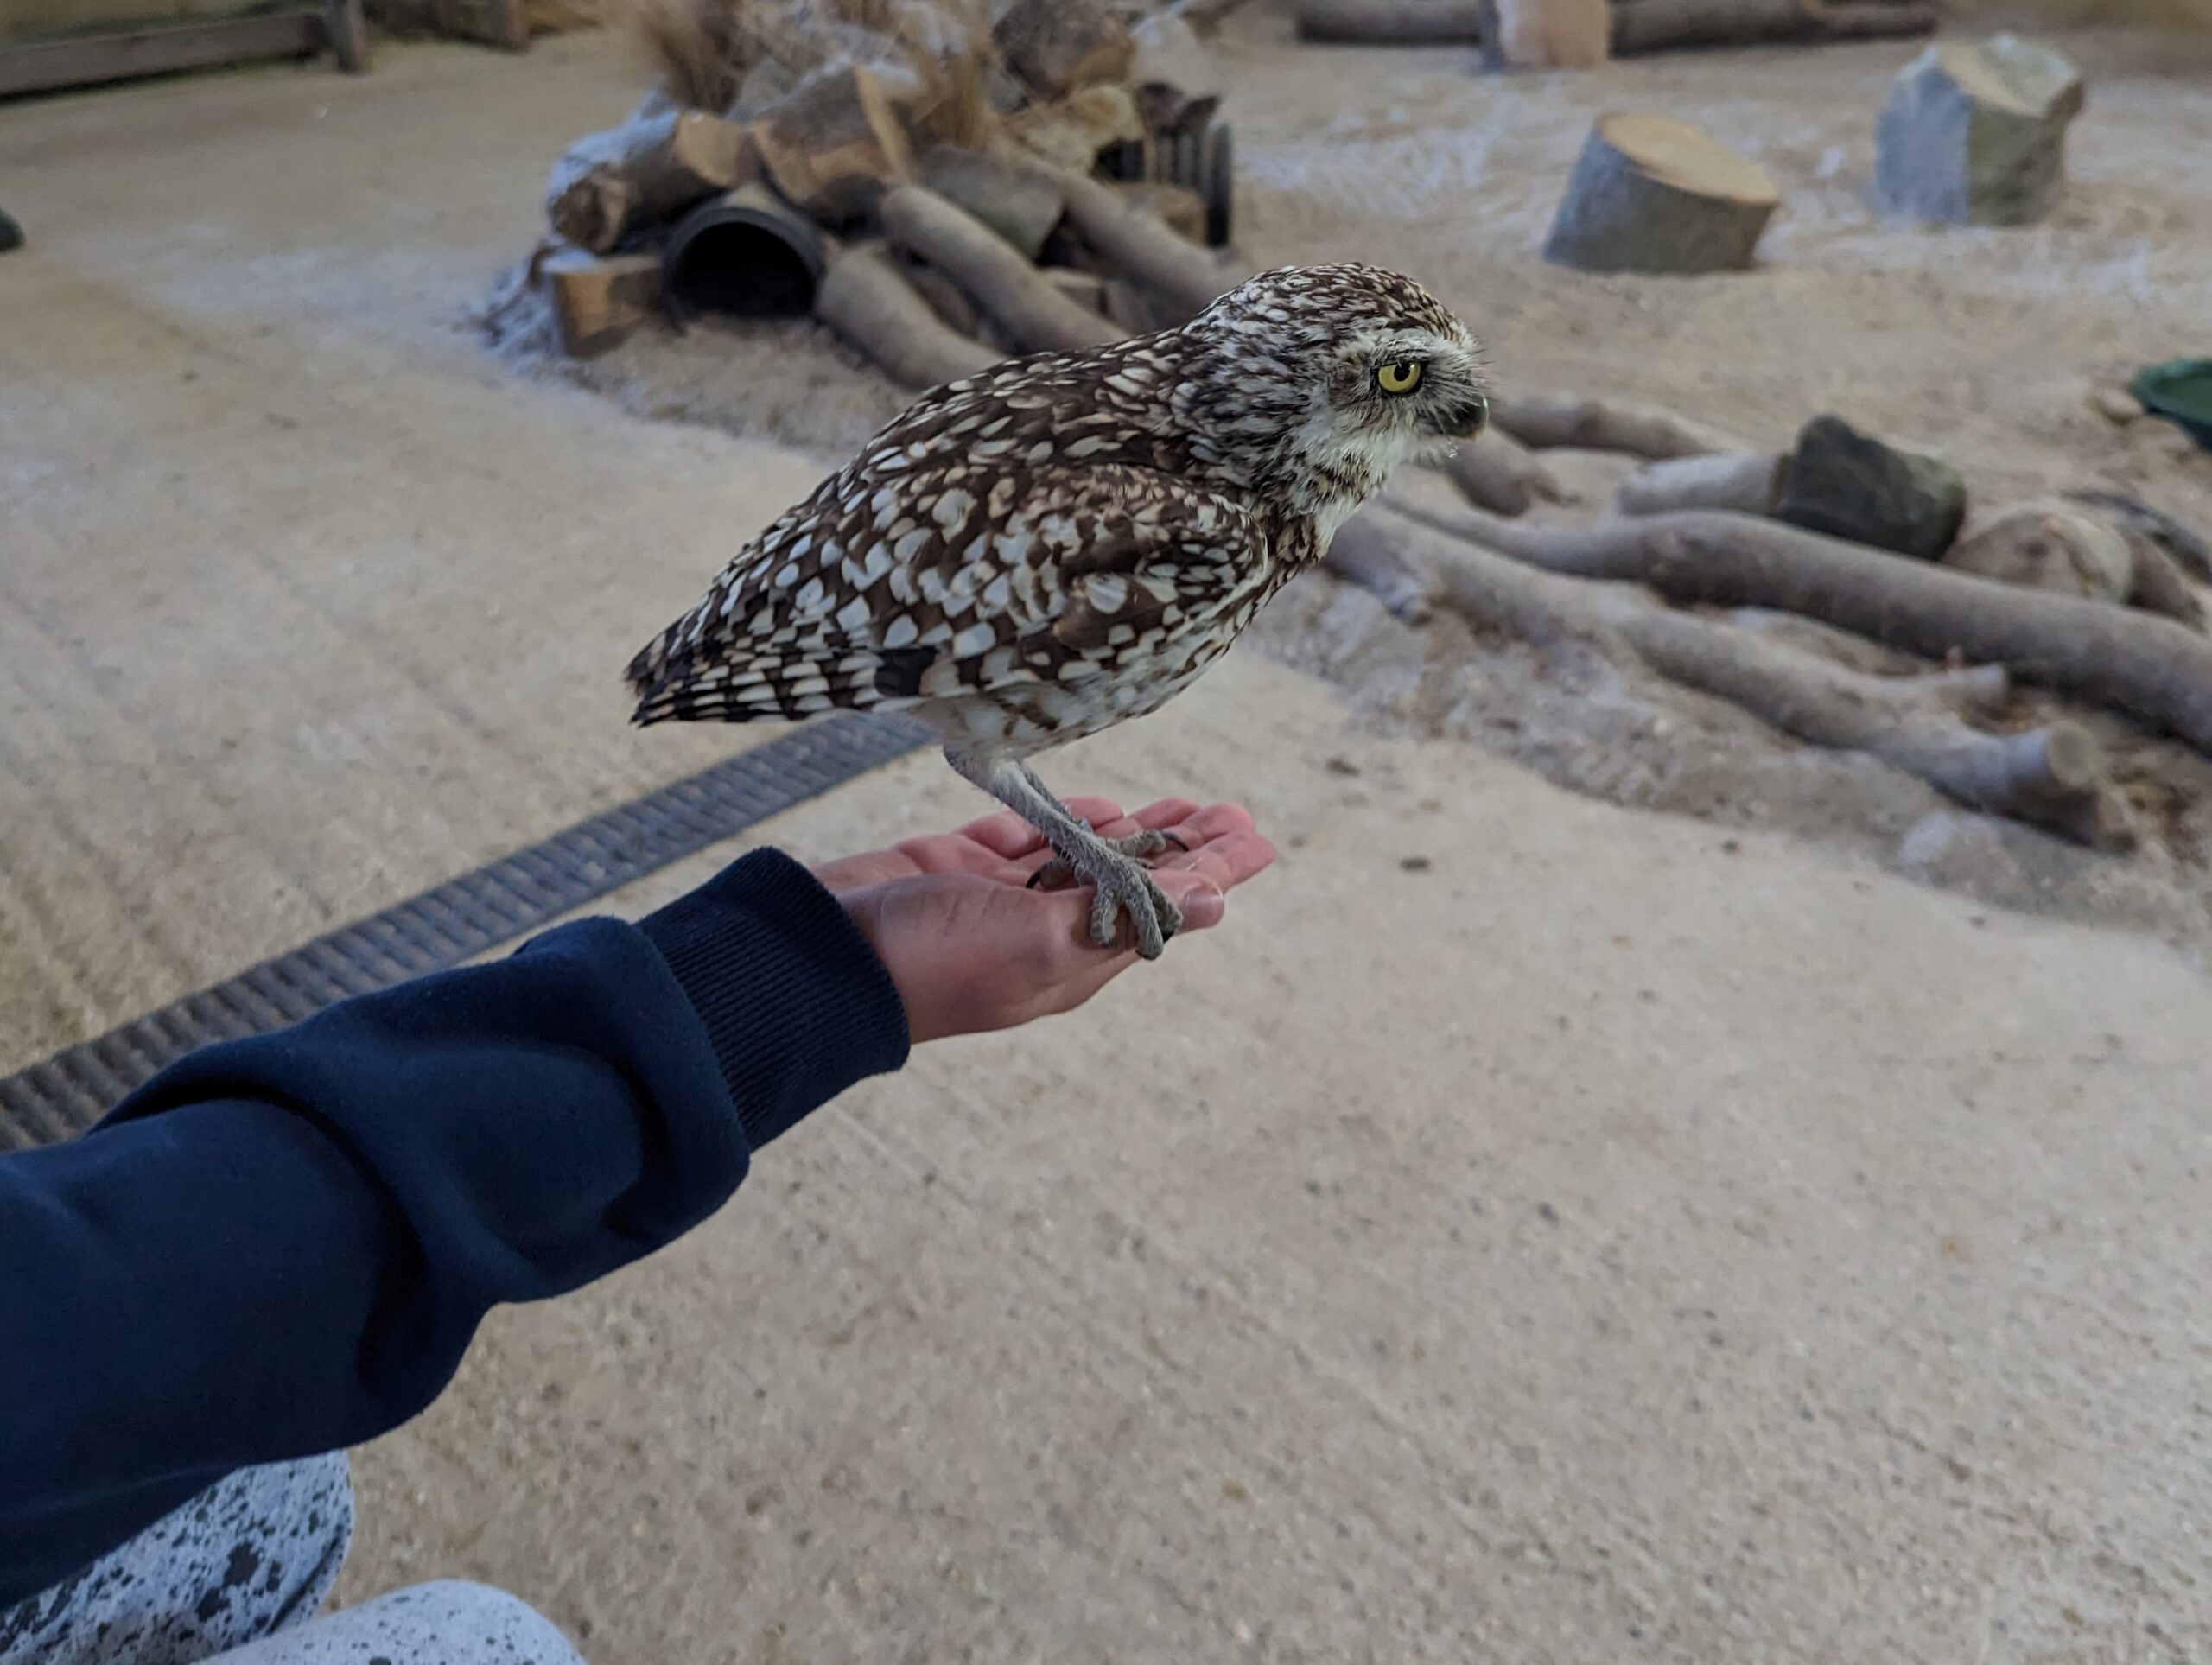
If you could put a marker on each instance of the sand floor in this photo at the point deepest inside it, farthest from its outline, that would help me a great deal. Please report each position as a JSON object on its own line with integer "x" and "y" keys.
{"x": 1621, "y": 1238}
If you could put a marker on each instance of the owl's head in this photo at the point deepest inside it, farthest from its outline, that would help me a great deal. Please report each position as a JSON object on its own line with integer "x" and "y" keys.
{"x": 1314, "y": 382}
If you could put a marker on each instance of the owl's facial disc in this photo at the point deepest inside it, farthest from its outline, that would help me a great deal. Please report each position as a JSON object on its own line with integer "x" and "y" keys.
{"x": 1421, "y": 383}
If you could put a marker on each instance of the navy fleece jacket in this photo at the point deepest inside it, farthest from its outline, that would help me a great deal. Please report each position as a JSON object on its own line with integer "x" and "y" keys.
{"x": 282, "y": 1246}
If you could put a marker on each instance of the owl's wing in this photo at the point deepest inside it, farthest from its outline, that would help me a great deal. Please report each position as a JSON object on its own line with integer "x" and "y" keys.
{"x": 891, "y": 586}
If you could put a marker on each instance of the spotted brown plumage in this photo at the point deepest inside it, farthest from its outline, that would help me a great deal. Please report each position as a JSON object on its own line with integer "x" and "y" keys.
{"x": 1038, "y": 552}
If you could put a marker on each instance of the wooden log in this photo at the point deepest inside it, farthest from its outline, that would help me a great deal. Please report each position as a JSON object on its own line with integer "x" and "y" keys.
{"x": 1056, "y": 46}
{"x": 2161, "y": 585}
{"x": 1672, "y": 25}
{"x": 834, "y": 144}
{"x": 2052, "y": 777}
{"x": 599, "y": 300}
{"x": 1183, "y": 209}
{"x": 2182, "y": 545}
{"x": 1070, "y": 133}
{"x": 1369, "y": 550}
{"x": 1852, "y": 486}
{"x": 2048, "y": 544}
{"x": 1391, "y": 22}
{"x": 1205, "y": 16}
{"x": 1545, "y": 420}
{"x": 159, "y": 49}
{"x": 2152, "y": 668}
{"x": 1497, "y": 472}
{"x": 1974, "y": 133}
{"x": 1034, "y": 313}
{"x": 2088, "y": 543}
{"x": 609, "y": 185}
{"x": 1741, "y": 480}
{"x": 864, "y": 298}
{"x": 946, "y": 298}
{"x": 1183, "y": 276}
{"x": 1022, "y": 202}
{"x": 1651, "y": 194}
{"x": 1551, "y": 33}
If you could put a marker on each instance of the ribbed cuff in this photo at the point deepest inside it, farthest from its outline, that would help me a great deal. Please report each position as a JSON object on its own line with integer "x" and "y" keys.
{"x": 796, "y": 1003}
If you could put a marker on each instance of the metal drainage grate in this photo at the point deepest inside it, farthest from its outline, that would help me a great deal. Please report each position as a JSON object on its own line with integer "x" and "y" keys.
{"x": 453, "y": 922}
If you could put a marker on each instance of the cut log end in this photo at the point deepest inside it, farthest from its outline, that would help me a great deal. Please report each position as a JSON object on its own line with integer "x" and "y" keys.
{"x": 1652, "y": 194}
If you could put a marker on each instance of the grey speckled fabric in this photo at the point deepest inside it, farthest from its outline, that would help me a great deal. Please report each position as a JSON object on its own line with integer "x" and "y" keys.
{"x": 255, "y": 1552}
{"x": 446, "y": 1623}
{"x": 234, "y": 1578}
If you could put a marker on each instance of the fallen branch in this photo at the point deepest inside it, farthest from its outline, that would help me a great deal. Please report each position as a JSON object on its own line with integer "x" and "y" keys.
{"x": 2053, "y": 777}
{"x": 2161, "y": 586}
{"x": 2151, "y": 668}
{"x": 1741, "y": 480}
{"x": 1144, "y": 249}
{"x": 1669, "y": 25}
{"x": 1024, "y": 301}
{"x": 1498, "y": 472}
{"x": 1369, "y": 550}
{"x": 1545, "y": 420}
{"x": 866, "y": 300}
{"x": 1391, "y": 22}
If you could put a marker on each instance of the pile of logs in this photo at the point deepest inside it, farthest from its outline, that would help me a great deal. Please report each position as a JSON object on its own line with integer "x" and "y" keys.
{"x": 862, "y": 158}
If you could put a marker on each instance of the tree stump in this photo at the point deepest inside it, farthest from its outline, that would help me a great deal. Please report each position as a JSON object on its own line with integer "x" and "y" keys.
{"x": 1974, "y": 133}
{"x": 1551, "y": 33}
{"x": 1852, "y": 486}
{"x": 1655, "y": 195}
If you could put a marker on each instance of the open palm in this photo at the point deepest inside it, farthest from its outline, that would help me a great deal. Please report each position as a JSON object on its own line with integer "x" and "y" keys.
{"x": 971, "y": 947}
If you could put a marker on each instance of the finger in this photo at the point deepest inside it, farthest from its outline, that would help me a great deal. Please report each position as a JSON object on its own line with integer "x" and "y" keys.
{"x": 1216, "y": 821}
{"x": 1169, "y": 815}
{"x": 1224, "y": 862}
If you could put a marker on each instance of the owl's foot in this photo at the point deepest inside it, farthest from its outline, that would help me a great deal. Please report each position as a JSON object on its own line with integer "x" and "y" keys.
{"x": 1059, "y": 872}
{"x": 1117, "y": 868}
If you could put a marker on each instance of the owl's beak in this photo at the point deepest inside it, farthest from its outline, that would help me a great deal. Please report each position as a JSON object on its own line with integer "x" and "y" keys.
{"x": 1469, "y": 420}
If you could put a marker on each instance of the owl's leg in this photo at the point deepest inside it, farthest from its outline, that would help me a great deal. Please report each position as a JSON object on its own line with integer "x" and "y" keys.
{"x": 1121, "y": 883}
{"x": 1058, "y": 871}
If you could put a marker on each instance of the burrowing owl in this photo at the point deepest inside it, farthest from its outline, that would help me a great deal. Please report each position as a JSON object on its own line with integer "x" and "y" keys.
{"x": 1039, "y": 552}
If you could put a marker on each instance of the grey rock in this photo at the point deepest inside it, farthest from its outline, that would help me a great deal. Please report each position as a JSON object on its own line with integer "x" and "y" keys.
{"x": 1851, "y": 485}
{"x": 1974, "y": 133}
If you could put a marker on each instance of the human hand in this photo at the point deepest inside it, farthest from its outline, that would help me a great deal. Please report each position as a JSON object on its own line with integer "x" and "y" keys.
{"x": 971, "y": 948}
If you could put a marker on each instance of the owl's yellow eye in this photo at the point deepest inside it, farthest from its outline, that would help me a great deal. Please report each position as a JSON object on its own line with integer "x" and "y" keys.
{"x": 1400, "y": 378}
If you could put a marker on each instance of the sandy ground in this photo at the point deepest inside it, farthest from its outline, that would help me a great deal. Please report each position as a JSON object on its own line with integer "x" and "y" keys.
{"x": 1613, "y": 1240}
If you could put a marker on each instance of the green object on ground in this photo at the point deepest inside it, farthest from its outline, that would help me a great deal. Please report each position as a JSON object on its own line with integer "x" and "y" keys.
{"x": 2179, "y": 390}
{"x": 11, "y": 234}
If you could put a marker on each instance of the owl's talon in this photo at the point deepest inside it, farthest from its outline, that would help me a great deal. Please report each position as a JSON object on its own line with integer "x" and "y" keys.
{"x": 1059, "y": 872}
{"x": 1126, "y": 887}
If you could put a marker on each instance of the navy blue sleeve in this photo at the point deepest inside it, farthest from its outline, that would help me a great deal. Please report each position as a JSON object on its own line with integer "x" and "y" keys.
{"x": 283, "y": 1245}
